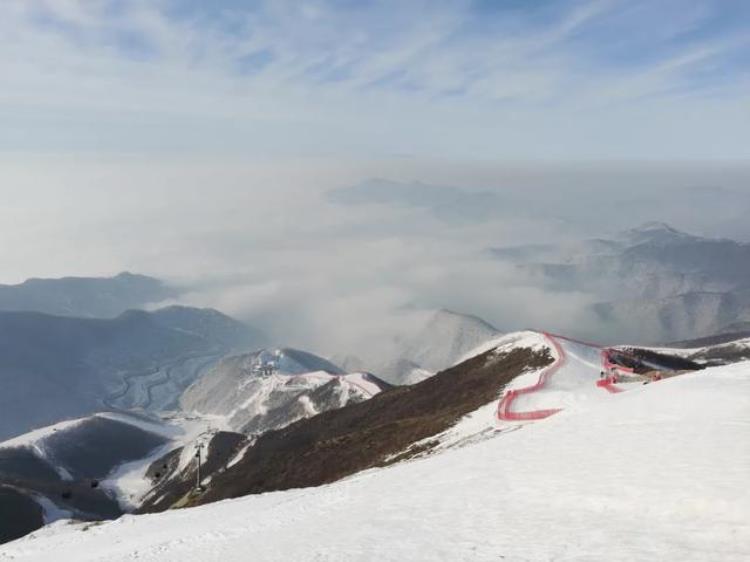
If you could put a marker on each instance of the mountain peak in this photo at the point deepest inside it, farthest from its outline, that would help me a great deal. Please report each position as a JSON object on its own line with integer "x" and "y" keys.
{"x": 655, "y": 231}
{"x": 446, "y": 336}
{"x": 653, "y": 226}
{"x": 444, "y": 314}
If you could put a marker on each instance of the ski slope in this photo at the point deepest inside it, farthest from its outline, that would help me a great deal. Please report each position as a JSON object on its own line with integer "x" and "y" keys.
{"x": 573, "y": 378}
{"x": 655, "y": 473}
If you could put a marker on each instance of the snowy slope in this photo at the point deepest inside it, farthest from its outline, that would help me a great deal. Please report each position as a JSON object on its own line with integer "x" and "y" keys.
{"x": 574, "y": 381}
{"x": 91, "y": 467}
{"x": 270, "y": 389}
{"x": 655, "y": 473}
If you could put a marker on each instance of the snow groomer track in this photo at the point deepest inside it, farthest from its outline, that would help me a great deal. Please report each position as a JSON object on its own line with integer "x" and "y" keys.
{"x": 573, "y": 377}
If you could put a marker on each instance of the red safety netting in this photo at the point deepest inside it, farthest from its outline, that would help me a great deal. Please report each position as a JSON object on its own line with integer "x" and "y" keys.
{"x": 608, "y": 384}
{"x": 504, "y": 408}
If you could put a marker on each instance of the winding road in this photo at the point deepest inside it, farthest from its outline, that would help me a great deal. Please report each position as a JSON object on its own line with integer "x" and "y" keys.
{"x": 130, "y": 379}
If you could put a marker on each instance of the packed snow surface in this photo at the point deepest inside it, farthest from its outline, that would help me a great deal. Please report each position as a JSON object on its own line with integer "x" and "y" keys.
{"x": 655, "y": 473}
{"x": 573, "y": 383}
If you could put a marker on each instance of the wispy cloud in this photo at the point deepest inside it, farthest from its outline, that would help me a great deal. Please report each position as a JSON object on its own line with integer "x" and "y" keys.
{"x": 451, "y": 78}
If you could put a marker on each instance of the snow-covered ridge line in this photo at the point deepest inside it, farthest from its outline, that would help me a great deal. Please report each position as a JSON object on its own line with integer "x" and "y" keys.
{"x": 32, "y": 437}
{"x": 528, "y": 339}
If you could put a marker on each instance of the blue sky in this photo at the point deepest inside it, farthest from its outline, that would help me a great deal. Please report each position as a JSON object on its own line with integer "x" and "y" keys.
{"x": 503, "y": 79}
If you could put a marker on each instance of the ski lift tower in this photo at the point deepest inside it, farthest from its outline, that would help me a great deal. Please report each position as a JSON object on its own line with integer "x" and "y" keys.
{"x": 198, "y": 486}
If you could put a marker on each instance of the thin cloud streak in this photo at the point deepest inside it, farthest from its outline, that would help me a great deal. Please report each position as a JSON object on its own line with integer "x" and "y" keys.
{"x": 440, "y": 80}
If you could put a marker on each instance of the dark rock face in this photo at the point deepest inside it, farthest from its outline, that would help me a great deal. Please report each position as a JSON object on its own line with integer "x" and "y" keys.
{"x": 19, "y": 514}
{"x": 645, "y": 360}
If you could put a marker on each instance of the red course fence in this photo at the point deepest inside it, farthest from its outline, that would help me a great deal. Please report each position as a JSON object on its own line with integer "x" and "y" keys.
{"x": 608, "y": 384}
{"x": 504, "y": 408}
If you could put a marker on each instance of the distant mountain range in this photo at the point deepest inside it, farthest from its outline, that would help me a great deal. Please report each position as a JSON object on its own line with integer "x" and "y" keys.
{"x": 87, "y": 297}
{"x": 56, "y": 367}
{"x": 650, "y": 284}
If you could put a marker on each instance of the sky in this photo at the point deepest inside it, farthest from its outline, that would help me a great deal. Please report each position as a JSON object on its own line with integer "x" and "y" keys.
{"x": 204, "y": 142}
{"x": 486, "y": 79}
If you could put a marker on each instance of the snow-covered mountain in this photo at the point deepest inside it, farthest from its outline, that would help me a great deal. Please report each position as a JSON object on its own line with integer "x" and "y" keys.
{"x": 272, "y": 388}
{"x": 605, "y": 480}
{"x": 79, "y": 468}
{"x": 649, "y": 284}
{"x": 54, "y": 368}
{"x": 88, "y": 297}
{"x": 446, "y": 337}
{"x": 443, "y": 338}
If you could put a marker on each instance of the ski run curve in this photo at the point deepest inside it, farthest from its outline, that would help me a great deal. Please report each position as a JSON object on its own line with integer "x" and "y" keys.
{"x": 575, "y": 374}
